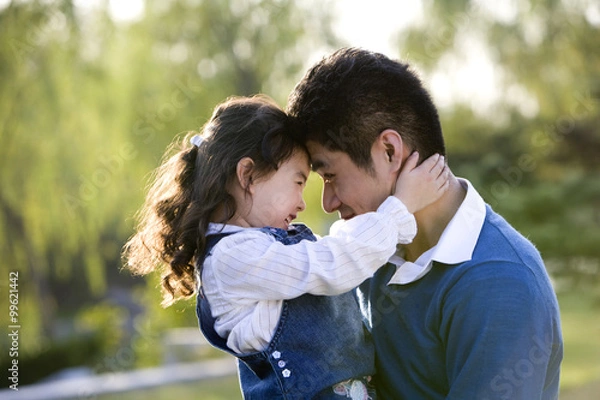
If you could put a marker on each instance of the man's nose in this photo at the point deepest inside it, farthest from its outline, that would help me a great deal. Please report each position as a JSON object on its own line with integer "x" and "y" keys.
{"x": 330, "y": 200}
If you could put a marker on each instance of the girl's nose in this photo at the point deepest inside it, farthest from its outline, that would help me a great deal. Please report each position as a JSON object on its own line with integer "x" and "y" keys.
{"x": 302, "y": 205}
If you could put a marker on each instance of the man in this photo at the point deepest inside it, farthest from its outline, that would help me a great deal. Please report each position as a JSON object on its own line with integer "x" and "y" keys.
{"x": 466, "y": 311}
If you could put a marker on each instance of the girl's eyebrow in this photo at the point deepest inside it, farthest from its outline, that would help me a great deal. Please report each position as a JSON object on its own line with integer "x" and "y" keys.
{"x": 302, "y": 175}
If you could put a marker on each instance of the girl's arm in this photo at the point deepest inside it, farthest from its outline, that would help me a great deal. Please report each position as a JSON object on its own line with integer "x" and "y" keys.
{"x": 253, "y": 265}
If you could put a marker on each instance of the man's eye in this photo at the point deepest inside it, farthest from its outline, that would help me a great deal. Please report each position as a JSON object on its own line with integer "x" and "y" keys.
{"x": 328, "y": 178}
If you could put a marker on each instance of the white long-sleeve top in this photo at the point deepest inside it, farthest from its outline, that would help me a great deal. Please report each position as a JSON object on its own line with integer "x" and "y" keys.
{"x": 249, "y": 274}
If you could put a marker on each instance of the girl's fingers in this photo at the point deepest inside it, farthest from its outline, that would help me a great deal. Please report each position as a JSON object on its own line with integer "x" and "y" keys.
{"x": 444, "y": 176}
{"x": 430, "y": 163}
{"x": 442, "y": 173}
{"x": 411, "y": 161}
{"x": 439, "y": 165}
{"x": 445, "y": 186}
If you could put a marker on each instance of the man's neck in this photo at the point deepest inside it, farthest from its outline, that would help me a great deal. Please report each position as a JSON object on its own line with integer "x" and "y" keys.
{"x": 433, "y": 219}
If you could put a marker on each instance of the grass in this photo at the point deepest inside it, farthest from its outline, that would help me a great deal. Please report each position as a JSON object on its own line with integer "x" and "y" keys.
{"x": 581, "y": 335}
{"x": 580, "y": 375}
{"x": 215, "y": 389}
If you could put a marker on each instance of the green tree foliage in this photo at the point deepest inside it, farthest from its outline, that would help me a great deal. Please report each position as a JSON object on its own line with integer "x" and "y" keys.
{"x": 88, "y": 105}
{"x": 87, "y": 108}
{"x": 535, "y": 155}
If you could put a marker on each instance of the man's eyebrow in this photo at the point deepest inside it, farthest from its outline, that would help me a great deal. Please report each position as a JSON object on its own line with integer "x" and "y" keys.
{"x": 317, "y": 165}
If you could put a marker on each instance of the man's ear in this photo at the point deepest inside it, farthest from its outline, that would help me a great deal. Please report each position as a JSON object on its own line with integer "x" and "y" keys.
{"x": 393, "y": 148}
{"x": 244, "y": 173}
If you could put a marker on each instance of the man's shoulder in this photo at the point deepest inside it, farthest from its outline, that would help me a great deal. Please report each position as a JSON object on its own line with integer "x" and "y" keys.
{"x": 499, "y": 238}
{"x": 502, "y": 254}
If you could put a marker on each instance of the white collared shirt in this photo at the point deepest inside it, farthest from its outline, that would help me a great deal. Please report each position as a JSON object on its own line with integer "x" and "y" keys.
{"x": 456, "y": 244}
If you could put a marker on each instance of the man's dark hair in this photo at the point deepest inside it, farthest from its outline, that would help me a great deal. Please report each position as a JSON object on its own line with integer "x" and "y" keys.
{"x": 347, "y": 99}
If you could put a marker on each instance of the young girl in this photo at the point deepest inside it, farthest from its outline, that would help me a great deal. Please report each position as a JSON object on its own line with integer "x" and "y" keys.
{"x": 281, "y": 301}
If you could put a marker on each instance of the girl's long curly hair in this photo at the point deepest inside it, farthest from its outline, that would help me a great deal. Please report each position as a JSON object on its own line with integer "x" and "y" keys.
{"x": 190, "y": 185}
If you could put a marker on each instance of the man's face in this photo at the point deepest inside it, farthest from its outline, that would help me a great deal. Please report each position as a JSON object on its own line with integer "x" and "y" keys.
{"x": 348, "y": 189}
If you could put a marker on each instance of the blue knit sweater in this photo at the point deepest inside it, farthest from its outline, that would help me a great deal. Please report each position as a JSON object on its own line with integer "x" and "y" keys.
{"x": 488, "y": 328}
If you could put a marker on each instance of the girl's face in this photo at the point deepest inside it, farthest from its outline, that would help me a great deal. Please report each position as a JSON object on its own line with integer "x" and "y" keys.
{"x": 277, "y": 197}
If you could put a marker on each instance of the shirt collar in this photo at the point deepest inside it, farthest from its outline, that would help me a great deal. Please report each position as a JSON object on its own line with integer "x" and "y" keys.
{"x": 456, "y": 244}
{"x": 215, "y": 228}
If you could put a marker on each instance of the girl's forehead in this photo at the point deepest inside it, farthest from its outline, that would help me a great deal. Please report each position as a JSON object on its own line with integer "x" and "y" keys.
{"x": 299, "y": 160}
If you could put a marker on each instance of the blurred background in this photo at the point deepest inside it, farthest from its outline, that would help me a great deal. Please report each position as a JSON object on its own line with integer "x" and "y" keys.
{"x": 92, "y": 92}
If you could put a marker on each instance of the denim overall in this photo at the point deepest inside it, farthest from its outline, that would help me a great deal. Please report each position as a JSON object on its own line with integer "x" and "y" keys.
{"x": 319, "y": 342}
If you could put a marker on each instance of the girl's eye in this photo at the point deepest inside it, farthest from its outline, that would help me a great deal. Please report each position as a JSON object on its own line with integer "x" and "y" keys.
{"x": 327, "y": 178}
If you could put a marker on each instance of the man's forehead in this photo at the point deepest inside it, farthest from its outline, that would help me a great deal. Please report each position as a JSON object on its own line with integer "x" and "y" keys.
{"x": 323, "y": 158}
{"x": 318, "y": 158}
